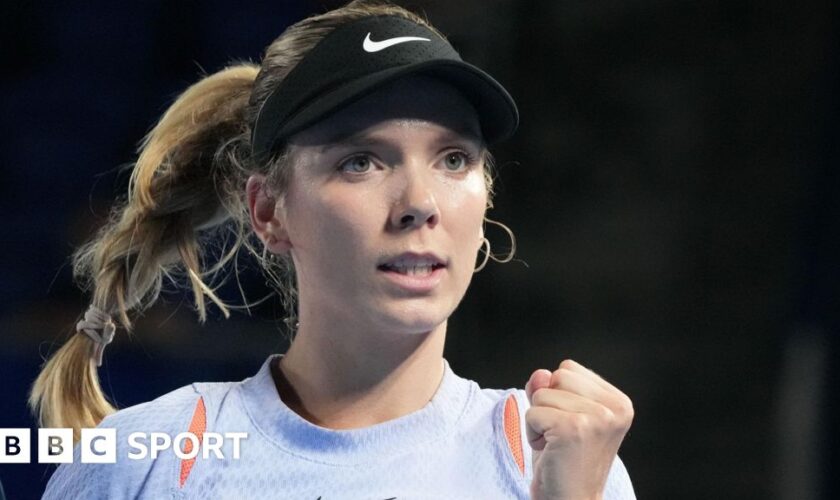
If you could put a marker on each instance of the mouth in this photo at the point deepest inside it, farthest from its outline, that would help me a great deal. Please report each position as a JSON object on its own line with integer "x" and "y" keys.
{"x": 413, "y": 264}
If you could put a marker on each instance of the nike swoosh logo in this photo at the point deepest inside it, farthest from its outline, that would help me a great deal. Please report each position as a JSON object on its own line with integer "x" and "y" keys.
{"x": 371, "y": 46}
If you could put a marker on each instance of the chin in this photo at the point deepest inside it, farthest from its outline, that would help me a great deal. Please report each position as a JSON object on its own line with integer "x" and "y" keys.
{"x": 414, "y": 319}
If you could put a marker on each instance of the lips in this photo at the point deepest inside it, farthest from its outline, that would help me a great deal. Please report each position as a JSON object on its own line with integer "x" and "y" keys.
{"x": 413, "y": 264}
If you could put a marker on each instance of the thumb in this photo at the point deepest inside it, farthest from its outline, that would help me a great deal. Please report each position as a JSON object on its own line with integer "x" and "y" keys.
{"x": 539, "y": 379}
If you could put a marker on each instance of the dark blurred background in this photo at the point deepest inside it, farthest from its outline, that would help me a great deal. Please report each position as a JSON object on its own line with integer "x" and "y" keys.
{"x": 673, "y": 188}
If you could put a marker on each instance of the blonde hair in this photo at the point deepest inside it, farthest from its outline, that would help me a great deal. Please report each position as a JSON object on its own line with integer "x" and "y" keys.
{"x": 186, "y": 187}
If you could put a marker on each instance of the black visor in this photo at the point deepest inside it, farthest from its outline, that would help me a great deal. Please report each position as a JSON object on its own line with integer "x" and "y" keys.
{"x": 361, "y": 56}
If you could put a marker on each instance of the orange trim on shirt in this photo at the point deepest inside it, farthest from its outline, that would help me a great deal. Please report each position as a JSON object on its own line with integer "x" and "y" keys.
{"x": 197, "y": 426}
{"x": 513, "y": 432}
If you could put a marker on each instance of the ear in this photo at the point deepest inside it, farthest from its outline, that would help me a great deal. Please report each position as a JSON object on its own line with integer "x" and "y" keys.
{"x": 262, "y": 206}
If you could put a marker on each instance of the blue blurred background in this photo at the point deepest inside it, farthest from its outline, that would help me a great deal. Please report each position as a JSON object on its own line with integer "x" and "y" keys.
{"x": 673, "y": 188}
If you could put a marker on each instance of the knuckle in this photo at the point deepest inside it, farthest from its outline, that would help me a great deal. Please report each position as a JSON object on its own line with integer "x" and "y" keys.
{"x": 626, "y": 408}
{"x": 539, "y": 397}
{"x": 535, "y": 412}
{"x": 560, "y": 377}
{"x": 600, "y": 422}
{"x": 579, "y": 425}
{"x": 605, "y": 415}
{"x": 529, "y": 414}
{"x": 624, "y": 411}
{"x": 567, "y": 364}
{"x": 532, "y": 418}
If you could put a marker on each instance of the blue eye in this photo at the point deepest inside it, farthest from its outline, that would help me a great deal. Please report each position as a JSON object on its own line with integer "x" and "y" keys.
{"x": 456, "y": 161}
{"x": 355, "y": 164}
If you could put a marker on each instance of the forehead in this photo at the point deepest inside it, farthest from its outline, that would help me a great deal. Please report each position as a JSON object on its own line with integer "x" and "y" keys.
{"x": 411, "y": 98}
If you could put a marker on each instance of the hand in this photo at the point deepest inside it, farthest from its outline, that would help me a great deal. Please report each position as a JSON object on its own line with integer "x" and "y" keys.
{"x": 575, "y": 425}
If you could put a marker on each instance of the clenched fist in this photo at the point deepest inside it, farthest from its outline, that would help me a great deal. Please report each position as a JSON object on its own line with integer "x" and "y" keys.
{"x": 575, "y": 425}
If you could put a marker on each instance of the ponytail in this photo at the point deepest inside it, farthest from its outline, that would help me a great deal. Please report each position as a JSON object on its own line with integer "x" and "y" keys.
{"x": 188, "y": 177}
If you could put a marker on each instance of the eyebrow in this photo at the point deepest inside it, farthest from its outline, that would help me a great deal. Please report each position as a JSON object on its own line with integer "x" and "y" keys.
{"x": 361, "y": 138}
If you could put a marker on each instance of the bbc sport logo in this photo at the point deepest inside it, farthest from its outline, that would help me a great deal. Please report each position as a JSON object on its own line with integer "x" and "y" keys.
{"x": 99, "y": 445}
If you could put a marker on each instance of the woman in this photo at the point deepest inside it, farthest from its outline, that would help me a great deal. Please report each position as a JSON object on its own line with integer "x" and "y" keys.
{"x": 356, "y": 153}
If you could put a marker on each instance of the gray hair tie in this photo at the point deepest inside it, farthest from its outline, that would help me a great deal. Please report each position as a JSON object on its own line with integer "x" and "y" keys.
{"x": 96, "y": 321}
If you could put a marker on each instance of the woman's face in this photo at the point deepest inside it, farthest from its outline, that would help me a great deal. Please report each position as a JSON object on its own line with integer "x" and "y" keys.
{"x": 384, "y": 208}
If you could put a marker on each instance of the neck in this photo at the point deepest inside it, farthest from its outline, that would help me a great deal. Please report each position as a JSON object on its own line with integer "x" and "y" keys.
{"x": 342, "y": 376}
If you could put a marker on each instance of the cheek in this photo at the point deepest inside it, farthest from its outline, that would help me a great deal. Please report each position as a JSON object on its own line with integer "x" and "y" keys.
{"x": 467, "y": 205}
{"x": 330, "y": 220}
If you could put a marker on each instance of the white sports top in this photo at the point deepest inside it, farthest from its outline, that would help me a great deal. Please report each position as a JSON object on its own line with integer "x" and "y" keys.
{"x": 466, "y": 443}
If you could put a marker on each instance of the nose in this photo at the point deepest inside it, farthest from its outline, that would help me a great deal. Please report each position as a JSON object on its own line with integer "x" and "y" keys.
{"x": 416, "y": 206}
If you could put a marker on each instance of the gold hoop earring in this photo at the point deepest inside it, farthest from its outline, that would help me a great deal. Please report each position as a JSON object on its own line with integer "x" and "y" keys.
{"x": 512, "y": 252}
{"x": 484, "y": 242}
